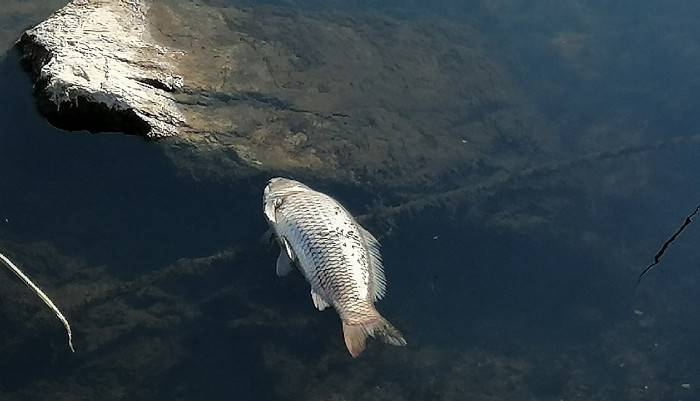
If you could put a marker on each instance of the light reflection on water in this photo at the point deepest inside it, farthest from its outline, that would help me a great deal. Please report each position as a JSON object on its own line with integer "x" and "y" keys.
{"x": 526, "y": 293}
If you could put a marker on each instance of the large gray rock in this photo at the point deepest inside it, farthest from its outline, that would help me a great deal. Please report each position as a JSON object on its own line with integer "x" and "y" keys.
{"x": 98, "y": 55}
{"x": 371, "y": 100}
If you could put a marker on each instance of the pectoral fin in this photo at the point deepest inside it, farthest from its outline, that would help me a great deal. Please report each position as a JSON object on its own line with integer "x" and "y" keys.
{"x": 284, "y": 264}
{"x": 267, "y": 237}
{"x": 288, "y": 249}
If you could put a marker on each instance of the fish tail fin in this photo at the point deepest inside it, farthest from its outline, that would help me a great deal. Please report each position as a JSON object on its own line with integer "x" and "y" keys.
{"x": 356, "y": 334}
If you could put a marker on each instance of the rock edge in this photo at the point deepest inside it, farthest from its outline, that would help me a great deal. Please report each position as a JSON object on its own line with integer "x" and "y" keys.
{"x": 98, "y": 53}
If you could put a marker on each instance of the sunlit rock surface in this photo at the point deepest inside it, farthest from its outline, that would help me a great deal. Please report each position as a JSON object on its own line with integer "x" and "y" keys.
{"x": 98, "y": 68}
{"x": 368, "y": 100}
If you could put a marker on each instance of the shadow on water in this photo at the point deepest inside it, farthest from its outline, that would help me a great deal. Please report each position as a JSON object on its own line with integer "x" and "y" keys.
{"x": 114, "y": 199}
{"x": 117, "y": 201}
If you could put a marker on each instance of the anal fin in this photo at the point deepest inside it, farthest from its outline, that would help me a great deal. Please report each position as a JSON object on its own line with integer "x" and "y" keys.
{"x": 319, "y": 302}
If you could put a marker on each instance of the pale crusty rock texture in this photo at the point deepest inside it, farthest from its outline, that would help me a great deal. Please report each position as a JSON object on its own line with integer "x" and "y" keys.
{"x": 99, "y": 51}
{"x": 367, "y": 100}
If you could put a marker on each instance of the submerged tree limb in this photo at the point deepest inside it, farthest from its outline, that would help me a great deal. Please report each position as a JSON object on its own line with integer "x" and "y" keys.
{"x": 41, "y": 295}
{"x": 465, "y": 193}
{"x": 182, "y": 268}
{"x": 660, "y": 253}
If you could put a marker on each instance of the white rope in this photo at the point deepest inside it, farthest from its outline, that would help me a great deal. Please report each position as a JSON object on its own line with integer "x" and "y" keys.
{"x": 41, "y": 295}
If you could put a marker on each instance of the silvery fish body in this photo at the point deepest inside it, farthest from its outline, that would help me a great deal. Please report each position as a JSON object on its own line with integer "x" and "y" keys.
{"x": 337, "y": 256}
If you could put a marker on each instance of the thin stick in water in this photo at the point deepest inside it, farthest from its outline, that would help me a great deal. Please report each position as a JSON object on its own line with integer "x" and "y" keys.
{"x": 41, "y": 295}
{"x": 660, "y": 253}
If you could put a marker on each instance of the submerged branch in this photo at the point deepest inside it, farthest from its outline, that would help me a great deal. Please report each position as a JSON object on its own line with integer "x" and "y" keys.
{"x": 41, "y": 295}
{"x": 182, "y": 268}
{"x": 465, "y": 193}
{"x": 660, "y": 253}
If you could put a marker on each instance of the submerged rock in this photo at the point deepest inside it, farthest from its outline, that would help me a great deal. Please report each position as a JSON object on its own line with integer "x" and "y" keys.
{"x": 369, "y": 100}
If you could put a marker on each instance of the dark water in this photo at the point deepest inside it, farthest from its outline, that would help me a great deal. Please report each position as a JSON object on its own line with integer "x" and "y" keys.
{"x": 525, "y": 293}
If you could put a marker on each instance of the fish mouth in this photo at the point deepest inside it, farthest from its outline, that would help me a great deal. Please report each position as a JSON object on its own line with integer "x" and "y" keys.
{"x": 281, "y": 184}
{"x": 276, "y": 182}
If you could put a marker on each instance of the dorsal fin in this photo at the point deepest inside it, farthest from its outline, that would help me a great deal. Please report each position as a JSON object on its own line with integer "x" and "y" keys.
{"x": 377, "y": 279}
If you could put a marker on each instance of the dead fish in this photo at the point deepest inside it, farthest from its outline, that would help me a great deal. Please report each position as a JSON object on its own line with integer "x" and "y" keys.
{"x": 337, "y": 256}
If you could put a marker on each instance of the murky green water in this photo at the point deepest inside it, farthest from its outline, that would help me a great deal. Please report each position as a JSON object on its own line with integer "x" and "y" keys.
{"x": 524, "y": 292}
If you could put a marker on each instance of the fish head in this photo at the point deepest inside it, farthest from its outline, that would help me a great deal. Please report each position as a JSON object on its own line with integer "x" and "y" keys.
{"x": 275, "y": 191}
{"x": 279, "y": 187}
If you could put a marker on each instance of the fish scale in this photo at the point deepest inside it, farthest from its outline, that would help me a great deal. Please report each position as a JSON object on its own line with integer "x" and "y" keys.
{"x": 337, "y": 256}
{"x": 329, "y": 275}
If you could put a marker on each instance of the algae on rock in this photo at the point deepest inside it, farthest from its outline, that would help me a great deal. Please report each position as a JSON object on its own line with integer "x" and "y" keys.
{"x": 372, "y": 101}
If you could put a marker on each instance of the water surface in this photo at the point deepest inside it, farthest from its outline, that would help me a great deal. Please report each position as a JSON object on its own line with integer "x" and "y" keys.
{"x": 526, "y": 291}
